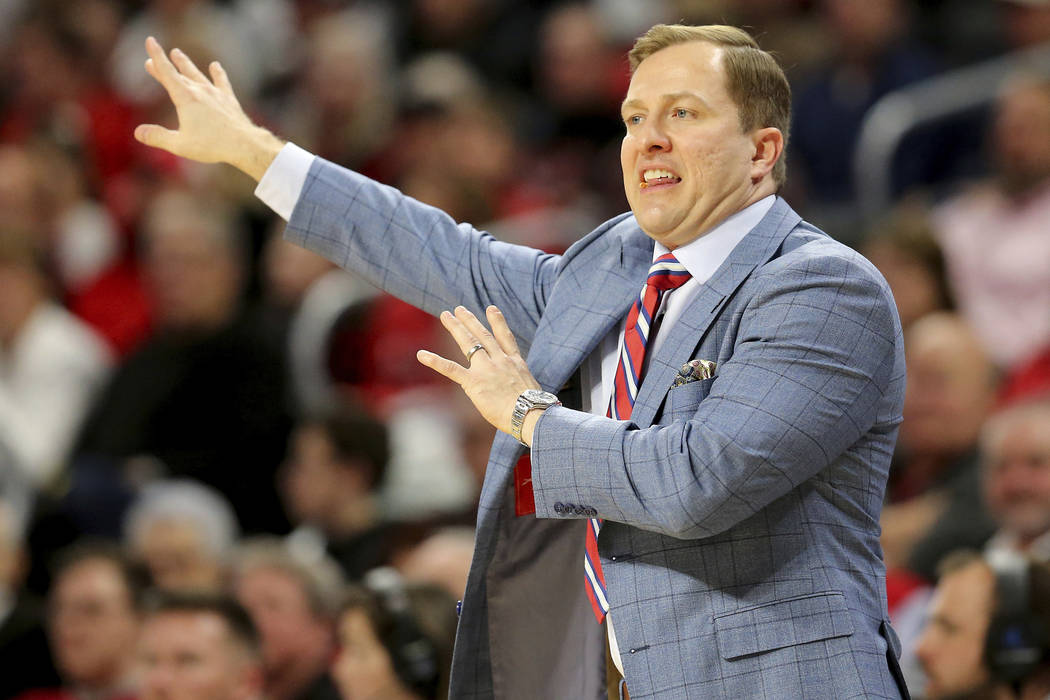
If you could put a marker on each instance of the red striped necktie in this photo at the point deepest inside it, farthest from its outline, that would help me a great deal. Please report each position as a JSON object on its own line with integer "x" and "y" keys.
{"x": 666, "y": 274}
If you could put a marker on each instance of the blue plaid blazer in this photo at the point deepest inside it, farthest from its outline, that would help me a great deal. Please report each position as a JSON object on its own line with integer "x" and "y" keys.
{"x": 741, "y": 539}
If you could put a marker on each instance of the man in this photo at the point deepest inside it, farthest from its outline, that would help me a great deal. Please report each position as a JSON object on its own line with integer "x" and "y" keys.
{"x": 953, "y": 649}
{"x": 993, "y": 231}
{"x": 934, "y": 505}
{"x": 1015, "y": 455}
{"x": 740, "y": 540}
{"x": 53, "y": 364}
{"x": 23, "y": 643}
{"x": 333, "y": 473}
{"x": 292, "y": 602}
{"x": 94, "y": 624}
{"x": 183, "y": 532}
{"x": 199, "y": 647}
{"x": 181, "y": 395}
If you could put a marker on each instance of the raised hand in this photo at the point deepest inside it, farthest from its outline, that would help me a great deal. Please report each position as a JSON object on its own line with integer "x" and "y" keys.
{"x": 213, "y": 127}
{"x": 494, "y": 375}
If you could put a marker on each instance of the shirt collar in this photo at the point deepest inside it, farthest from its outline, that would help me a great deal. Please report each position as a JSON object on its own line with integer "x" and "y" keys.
{"x": 707, "y": 253}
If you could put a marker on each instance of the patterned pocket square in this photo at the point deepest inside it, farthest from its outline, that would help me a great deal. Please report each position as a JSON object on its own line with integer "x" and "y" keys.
{"x": 692, "y": 371}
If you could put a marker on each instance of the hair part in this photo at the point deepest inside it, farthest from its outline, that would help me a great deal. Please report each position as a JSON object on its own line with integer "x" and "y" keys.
{"x": 755, "y": 81}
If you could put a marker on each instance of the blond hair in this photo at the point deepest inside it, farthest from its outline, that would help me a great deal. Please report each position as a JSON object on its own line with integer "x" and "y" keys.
{"x": 755, "y": 81}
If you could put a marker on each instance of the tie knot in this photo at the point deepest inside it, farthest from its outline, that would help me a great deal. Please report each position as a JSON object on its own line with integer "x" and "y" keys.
{"x": 667, "y": 273}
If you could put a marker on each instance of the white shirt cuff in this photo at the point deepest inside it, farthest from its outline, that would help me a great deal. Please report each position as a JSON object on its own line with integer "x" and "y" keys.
{"x": 283, "y": 181}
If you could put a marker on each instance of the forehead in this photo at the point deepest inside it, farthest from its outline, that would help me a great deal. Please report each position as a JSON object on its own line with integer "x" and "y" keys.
{"x": 185, "y": 630}
{"x": 694, "y": 66}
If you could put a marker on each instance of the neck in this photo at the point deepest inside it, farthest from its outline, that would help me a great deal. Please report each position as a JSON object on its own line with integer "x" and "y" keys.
{"x": 353, "y": 516}
{"x": 290, "y": 680}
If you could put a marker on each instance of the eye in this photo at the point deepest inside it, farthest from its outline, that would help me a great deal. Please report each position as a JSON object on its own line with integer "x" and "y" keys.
{"x": 633, "y": 120}
{"x": 682, "y": 113}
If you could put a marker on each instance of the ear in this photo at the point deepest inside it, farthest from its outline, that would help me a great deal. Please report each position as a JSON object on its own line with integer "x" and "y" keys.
{"x": 768, "y": 149}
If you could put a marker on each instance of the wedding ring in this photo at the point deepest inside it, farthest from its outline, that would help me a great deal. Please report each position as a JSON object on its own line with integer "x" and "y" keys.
{"x": 474, "y": 349}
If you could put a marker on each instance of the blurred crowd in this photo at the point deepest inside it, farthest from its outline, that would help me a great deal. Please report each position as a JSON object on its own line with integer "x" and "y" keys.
{"x": 222, "y": 472}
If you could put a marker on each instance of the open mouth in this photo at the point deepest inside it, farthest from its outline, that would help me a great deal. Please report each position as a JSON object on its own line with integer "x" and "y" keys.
{"x": 656, "y": 177}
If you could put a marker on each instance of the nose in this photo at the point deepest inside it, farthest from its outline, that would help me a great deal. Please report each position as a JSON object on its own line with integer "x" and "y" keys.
{"x": 654, "y": 137}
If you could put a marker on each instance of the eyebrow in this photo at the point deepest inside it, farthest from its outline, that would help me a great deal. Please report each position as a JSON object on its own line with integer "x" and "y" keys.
{"x": 669, "y": 97}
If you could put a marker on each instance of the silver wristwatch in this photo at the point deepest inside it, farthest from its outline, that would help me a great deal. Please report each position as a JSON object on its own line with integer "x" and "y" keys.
{"x": 528, "y": 400}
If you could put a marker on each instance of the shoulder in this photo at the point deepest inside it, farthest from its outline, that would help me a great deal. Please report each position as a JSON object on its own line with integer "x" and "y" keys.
{"x": 808, "y": 252}
{"x": 610, "y": 235}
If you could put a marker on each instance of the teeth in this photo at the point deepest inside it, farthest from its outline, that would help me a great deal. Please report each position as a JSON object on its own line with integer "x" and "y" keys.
{"x": 650, "y": 175}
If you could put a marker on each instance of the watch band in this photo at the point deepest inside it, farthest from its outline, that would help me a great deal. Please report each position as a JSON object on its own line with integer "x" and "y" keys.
{"x": 528, "y": 400}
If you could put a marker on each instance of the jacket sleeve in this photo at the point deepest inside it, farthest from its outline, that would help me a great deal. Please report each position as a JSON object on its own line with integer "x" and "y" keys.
{"x": 417, "y": 252}
{"x": 815, "y": 351}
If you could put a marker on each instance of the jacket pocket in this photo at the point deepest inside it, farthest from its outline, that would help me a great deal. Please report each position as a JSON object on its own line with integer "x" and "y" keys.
{"x": 684, "y": 400}
{"x": 782, "y": 623}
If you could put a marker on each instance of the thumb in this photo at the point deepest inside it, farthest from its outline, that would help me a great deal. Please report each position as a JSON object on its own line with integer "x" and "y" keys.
{"x": 156, "y": 136}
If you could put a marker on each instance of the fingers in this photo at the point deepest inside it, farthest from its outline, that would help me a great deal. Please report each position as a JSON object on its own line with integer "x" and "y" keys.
{"x": 161, "y": 68}
{"x": 187, "y": 67}
{"x": 156, "y": 136}
{"x": 443, "y": 366}
{"x": 477, "y": 330}
{"x": 501, "y": 331}
{"x": 219, "y": 77}
{"x": 464, "y": 337}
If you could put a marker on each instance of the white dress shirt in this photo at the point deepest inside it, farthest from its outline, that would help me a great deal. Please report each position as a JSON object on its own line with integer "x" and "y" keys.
{"x": 282, "y": 184}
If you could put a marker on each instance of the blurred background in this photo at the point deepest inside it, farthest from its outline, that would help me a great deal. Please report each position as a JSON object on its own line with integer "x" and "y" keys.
{"x": 189, "y": 404}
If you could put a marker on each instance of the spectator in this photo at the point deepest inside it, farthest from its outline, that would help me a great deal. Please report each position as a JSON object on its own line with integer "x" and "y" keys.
{"x": 206, "y": 394}
{"x": 199, "y": 647}
{"x": 291, "y": 599}
{"x": 334, "y": 471}
{"x": 53, "y": 366}
{"x": 934, "y": 492}
{"x": 23, "y": 644}
{"x": 94, "y": 624}
{"x": 874, "y": 55}
{"x": 1015, "y": 451}
{"x": 994, "y": 234}
{"x": 907, "y": 254}
{"x": 973, "y": 626}
{"x": 395, "y": 641}
{"x": 311, "y": 293}
{"x": 442, "y": 559}
{"x": 184, "y": 533}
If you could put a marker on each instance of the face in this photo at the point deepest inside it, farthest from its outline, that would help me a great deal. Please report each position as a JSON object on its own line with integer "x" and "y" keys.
{"x": 952, "y": 644}
{"x": 363, "y": 670}
{"x": 313, "y": 489}
{"x": 1022, "y": 154}
{"x": 193, "y": 279}
{"x": 687, "y": 164}
{"x": 177, "y": 557}
{"x": 1017, "y": 474}
{"x": 281, "y": 611}
{"x": 949, "y": 389}
{"x": 190, "y": 655}
{"x": 93, "y": 625}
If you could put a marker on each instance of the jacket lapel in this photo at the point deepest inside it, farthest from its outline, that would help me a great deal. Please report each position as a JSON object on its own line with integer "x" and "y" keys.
{"x": 598, "y": 291}
{"x": 757, "y": 247}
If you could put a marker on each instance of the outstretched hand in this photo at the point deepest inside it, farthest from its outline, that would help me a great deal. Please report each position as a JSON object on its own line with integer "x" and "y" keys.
{"x": 494, "y": 375}
{"x": 213, "y": 128}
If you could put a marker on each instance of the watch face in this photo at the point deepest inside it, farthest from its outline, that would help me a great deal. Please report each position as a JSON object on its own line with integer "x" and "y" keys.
{"x": 537, "y": 396}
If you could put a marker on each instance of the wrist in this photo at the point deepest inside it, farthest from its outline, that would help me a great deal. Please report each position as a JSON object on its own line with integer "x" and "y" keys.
{"x": 529, "y": 404}
{"x": 261, "y": 147}
{"x": 528, "y": 426}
